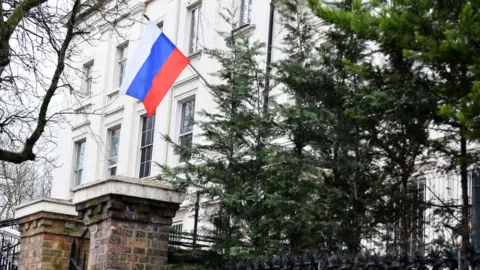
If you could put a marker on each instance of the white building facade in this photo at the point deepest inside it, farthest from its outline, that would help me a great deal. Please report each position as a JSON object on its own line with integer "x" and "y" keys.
{"x": 111, "y": 135}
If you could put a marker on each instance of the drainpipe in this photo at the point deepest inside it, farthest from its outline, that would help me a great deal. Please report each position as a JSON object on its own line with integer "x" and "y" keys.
{"x": 269, "y": 56}
{"x": 475, "y": 233}
{"x": 195, "y": 225}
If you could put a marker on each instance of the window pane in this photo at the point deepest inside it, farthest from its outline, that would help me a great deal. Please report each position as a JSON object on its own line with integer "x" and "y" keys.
{"x": 78, "y": 177}
{"x": 245, "y": 12}
{"x": 146, "y": 148}
{"x": 194, "y": 29}
{"x": 143, "y": 155}
{"x": 113, "y": 171}
{"x": 142, "y": 170}
{"x": 147, "y": 138}
{"x": 186, "y": 143}
{"x": 144, "y": 124}
{"x": 147, "y": 169}
{"x": 112, "y": 161}
{"x": 122, "y": 62}
{"x": 188, "y": 114}
{"x": 88, "y": 87}
{"x": 80, "y": 155}
{"x": 148, "y": 156}
{"x": 88, "y": 77}
{"x": 151, "y": 122}
{"x": 125, "y": 51}
{"x": 114, "y": 144}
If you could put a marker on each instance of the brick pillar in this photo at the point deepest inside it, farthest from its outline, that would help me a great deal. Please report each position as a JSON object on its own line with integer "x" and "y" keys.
{"x": 129, "y": 228}
{"x": 47, "y": 230}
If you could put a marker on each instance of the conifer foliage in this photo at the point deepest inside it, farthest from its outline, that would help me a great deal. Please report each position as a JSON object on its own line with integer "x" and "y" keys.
{"x": 336, "y": 167}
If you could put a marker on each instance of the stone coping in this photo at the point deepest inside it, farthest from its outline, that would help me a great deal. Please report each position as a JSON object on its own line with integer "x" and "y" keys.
{"x": 50, "y": 205}
{"x": 127, "y": 186}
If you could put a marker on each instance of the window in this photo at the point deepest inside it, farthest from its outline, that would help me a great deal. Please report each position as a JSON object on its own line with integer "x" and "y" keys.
{"x": 177, "y": 227}
{"x": 88, "y": 80}
{"x": 79, "y": 162}
{"x": 113, "y": 151}
{"x": 186, "y": 128}
{"x": 195, "y": 17}
{"x": 146, "y": 147}
{"x": 122, "y": 62}
{"x": 245, "y": 12}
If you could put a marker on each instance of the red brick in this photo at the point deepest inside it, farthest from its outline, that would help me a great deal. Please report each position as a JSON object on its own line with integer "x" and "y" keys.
{"x": 123, "y": 232}
{"x": 54, "y": 238}
{"x": 132, "y": 258}
{"x": 116, "y": 265}
{"x": 138, "y": 250}
{"x": 123, "y": 257}
{"x": 116, "y": 240}
{"x": 138, "y": 266}
{"x": 119, "y": 249}
{"x": 144, "y": 259}
{"x": 63, "y": 261}
{"x": 139, "y": 243}
{"x": 152, "y": 267}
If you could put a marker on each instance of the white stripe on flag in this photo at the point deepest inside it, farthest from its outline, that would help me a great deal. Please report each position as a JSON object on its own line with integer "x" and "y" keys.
{"x": 141, "y": 54}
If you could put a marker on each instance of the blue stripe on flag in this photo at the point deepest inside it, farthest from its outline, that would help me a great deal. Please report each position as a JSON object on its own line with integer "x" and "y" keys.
{"x": 159, "y": 53}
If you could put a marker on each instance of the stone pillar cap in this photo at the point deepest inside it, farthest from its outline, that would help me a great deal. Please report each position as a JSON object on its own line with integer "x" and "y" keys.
{"x": 127, "y": 186}
{"x": 49, "y": 205}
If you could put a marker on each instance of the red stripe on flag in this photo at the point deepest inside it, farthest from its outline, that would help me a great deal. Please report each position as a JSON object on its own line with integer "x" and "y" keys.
{"x": 164, "y": 79}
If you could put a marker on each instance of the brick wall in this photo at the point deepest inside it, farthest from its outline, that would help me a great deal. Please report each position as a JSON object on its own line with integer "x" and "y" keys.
{"x": 46, "y": 240}
{"x": 128, "y": 245}
{"x": 127, "y": 232}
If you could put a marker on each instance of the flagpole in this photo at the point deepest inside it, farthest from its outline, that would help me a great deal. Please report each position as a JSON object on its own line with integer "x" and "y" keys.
{"x": 199, "y": 75}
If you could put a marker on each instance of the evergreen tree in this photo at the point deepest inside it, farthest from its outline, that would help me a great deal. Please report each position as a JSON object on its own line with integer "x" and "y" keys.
{"x": 430, "y": 48}
{"x": 328, "y": 143}
{"x": 358, "y": 124}
{"x": 228, "y": 160}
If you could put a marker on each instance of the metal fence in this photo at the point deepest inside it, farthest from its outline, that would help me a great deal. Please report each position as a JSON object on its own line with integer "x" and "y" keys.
{"x": 186, "y": 240}
{"x": 445, "y": 260}
{"x": 9, "y": 251}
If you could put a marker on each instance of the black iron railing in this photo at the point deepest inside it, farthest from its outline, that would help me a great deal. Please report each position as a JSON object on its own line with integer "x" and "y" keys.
{"x": 78, "y": 254}
{"x": 186, "y": 240}
{"x": 445, "y": 260}
{"x": 9, "y": 251}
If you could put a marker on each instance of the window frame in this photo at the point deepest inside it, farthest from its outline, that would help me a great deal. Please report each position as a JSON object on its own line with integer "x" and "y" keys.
{"x": 77, "y": 170}
{"x": 122, "y": 56}
{"x": 88, "y": 77}
{"x": 177, "y": 226}
{"x": 245, "y": 5}
{"x": 111, "y": 132}
{"x": 146, "y": 147}
{"x": 194, "y": 43}
{"x": 189, "y": 132}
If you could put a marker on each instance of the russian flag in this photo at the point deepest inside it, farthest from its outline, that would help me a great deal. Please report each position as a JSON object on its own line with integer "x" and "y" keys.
{"x": 155, "y": 66}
